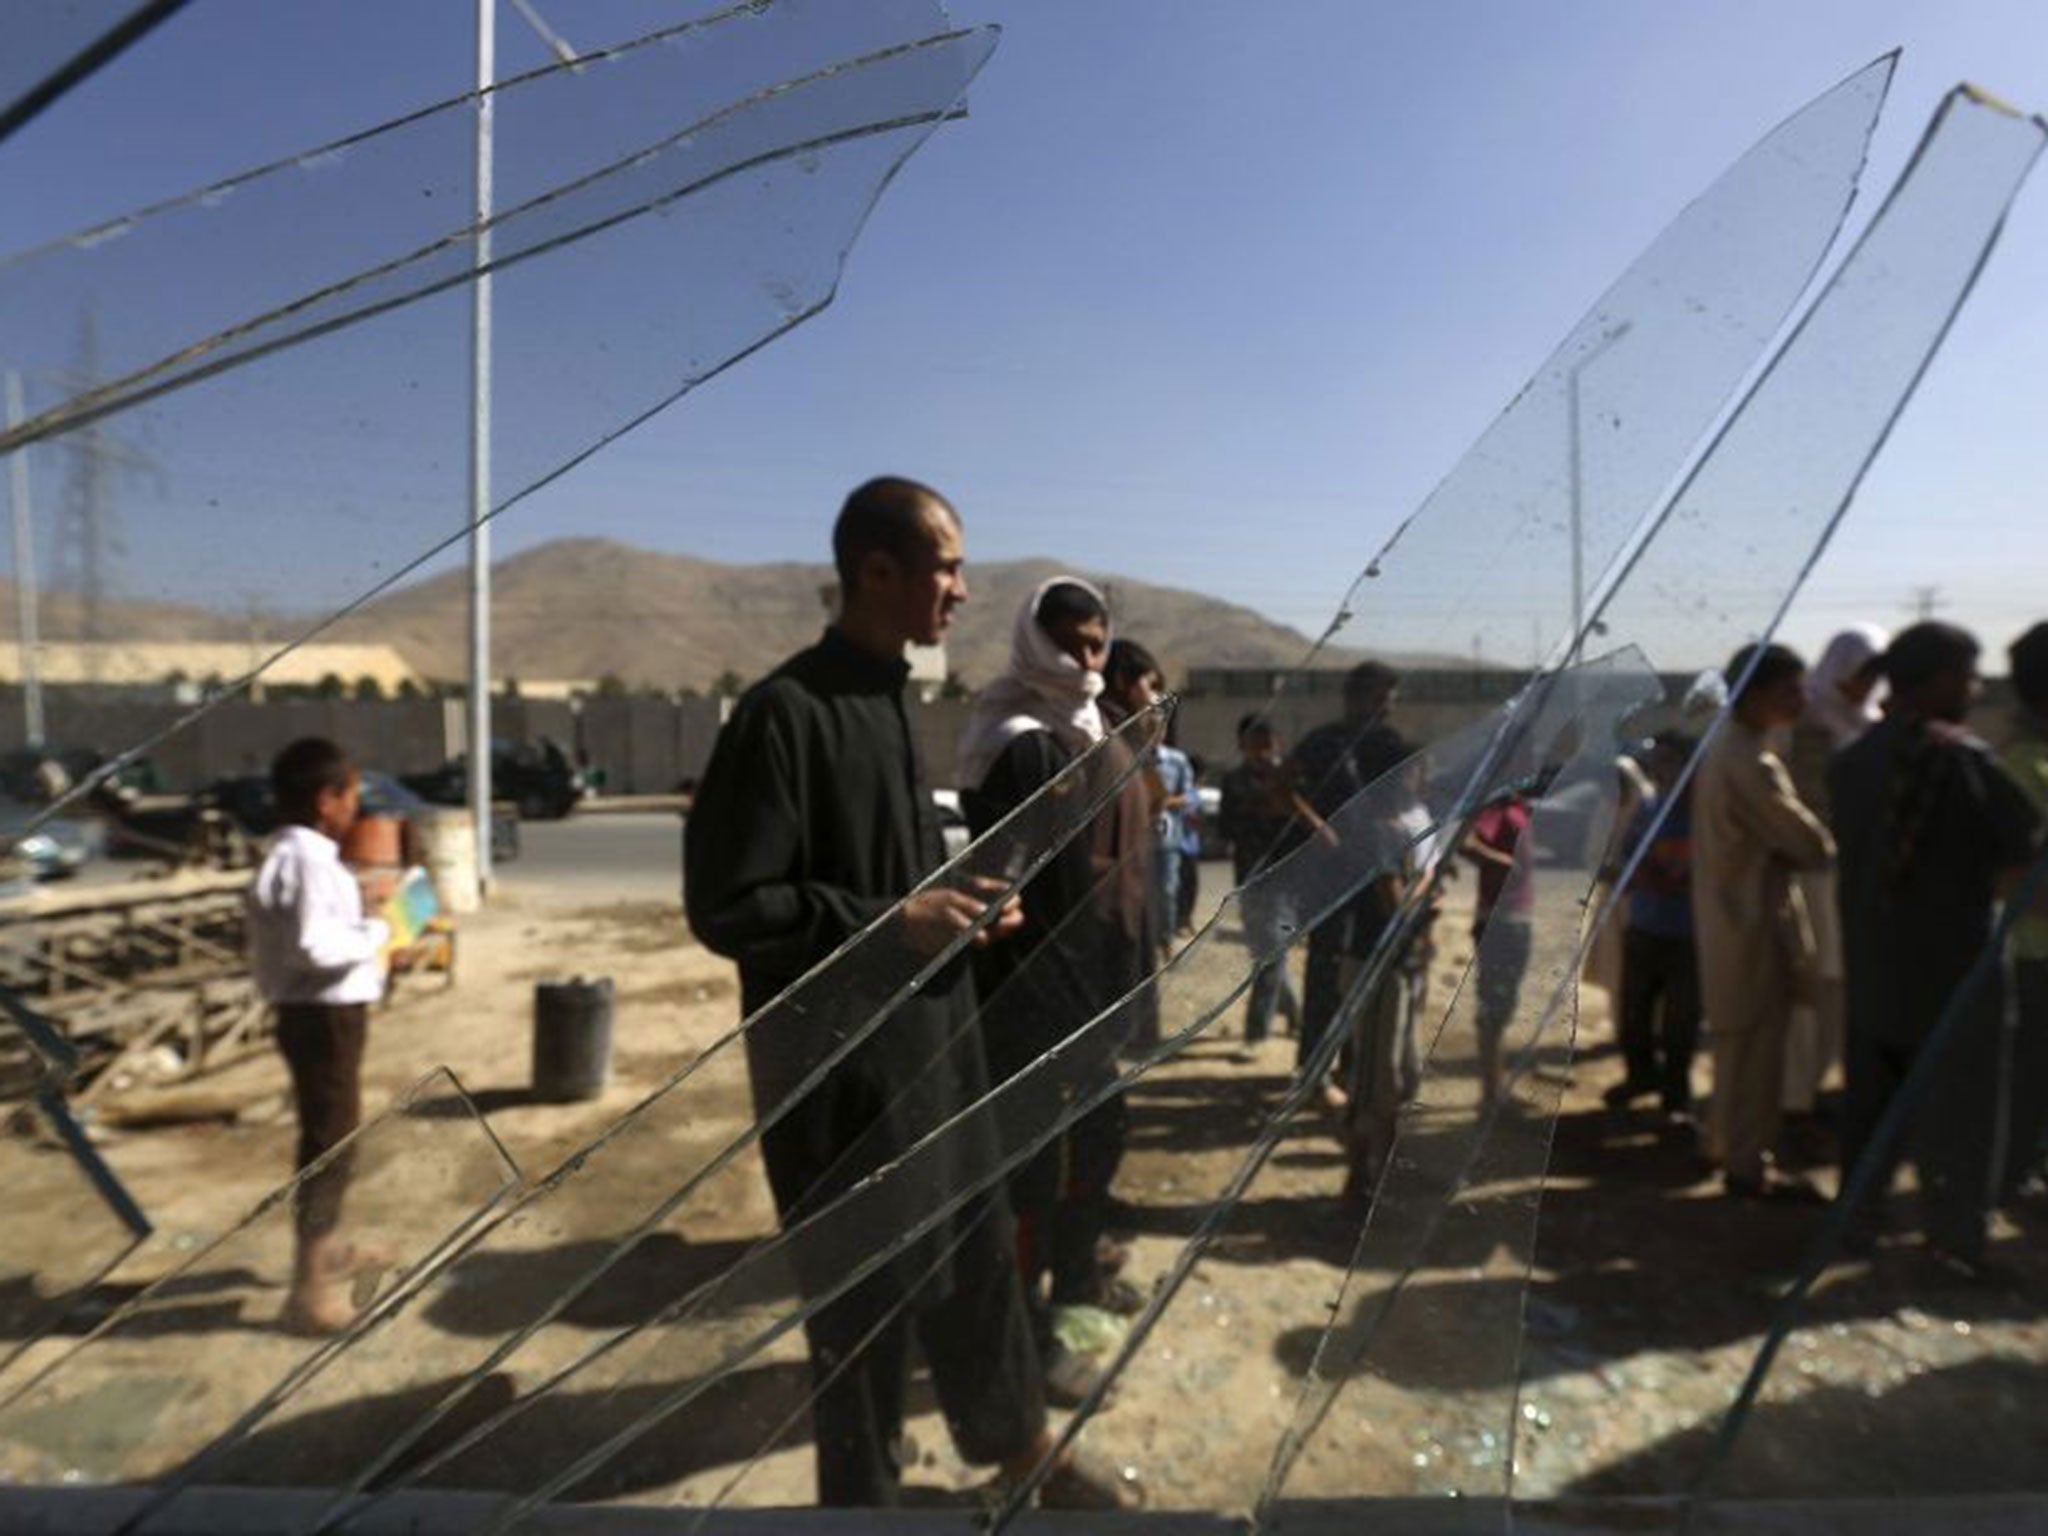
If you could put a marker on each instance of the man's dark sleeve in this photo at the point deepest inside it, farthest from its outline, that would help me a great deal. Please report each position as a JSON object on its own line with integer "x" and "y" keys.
{"x": 1231, "y": 811}
{"x": 2014, "y": 826}
{"x": 1307, "y": 772}
{"x": 743, "y": 843}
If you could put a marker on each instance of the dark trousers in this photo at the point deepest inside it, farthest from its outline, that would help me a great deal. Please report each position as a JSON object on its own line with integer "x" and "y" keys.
{"x": 323, "y": 1048}
{"x": 1095, "y": 1150}
{"x": 1187, "y": 892}
{"x": 2027, "y": 1073}
{"x": 1270, "y": 985}
{"x": 1660, "y": 1014}
{"x": 1128, "y": 962}
{"x": 1322, "y": 983}
{"x": 977, "y": 1343}
{"x": 1063, "y": 1203}
{"x": 1950, "y": 1134}
{"x": 1503, "y": 959}
{"x": 1382, "y": 1073}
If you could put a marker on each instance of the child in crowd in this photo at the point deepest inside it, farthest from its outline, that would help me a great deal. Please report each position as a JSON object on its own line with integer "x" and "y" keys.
{"x": 1501, "y": 923}
{"x": 1660, "y": 990}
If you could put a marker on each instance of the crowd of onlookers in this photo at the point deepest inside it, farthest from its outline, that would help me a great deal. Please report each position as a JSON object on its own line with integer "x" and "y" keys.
{"x": 1807, "y": 881}
{"x": 1812, "y": 883}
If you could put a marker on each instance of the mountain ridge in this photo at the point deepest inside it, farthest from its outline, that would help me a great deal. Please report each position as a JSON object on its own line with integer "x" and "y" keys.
{"x": 586, "y": 608}
{"x": 683, "y": 621}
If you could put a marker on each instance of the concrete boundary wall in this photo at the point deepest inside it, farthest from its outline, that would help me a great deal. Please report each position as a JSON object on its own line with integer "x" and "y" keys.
{"x": 649, "y": 746}
{"x": 398, "y": 736}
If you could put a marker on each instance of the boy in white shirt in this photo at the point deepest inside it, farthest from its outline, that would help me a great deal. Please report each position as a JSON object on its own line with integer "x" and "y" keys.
{"x": 319, "y": 963}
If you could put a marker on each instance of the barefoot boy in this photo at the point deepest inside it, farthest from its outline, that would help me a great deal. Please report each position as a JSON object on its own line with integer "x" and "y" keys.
{"x": 318, "y": 963}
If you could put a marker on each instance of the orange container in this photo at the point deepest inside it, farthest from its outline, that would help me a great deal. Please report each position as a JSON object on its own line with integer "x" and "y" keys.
{"x": 374, "y": 842}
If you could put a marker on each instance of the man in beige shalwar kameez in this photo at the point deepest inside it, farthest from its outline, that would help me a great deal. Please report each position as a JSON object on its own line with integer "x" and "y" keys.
{"x": 1751, "y": 835}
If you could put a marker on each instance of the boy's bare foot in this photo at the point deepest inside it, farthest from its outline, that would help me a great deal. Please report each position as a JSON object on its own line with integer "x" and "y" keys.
{"x": 325, "y": 1270}
{"x": 342, "y": 1259}
{"x": 317, "y": 1310}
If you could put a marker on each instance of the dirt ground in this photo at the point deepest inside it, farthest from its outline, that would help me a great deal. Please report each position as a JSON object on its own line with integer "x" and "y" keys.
{"x": 1648, "y": 1296}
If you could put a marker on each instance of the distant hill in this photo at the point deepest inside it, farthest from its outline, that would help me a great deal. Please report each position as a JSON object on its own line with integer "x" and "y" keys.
{"x": 584, "y": 608}
{"x": 61, "y": 616}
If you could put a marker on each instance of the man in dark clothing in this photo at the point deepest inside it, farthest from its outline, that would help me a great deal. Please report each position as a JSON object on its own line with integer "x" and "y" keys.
{"x": 1929, "y": 826}
{"x": 1256, "y": 816}
{"x": 1330, "y": 765}
{"x": 2025, "y": 757}
{"x": 813, "y": 819}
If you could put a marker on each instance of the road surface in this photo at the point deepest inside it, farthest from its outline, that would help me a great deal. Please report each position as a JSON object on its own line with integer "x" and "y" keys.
{"x": 587, "y": 860}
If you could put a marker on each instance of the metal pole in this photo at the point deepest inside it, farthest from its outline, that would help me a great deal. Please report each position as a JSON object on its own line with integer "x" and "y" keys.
{"x": 480, "y": 459}
{"x": 1577, "y": 475}
{"x": 24, "y": 571}
{"x": 1578, "y": 509}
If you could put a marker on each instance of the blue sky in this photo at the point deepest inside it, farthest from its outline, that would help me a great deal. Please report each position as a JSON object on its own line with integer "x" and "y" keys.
{"x": 1209, "y": 294}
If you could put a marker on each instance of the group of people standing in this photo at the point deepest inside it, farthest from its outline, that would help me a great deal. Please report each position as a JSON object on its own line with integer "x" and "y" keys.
{"x": 1273, "y": 802}
{"x": 1821, "y": 891}
{"x": 815, "y": 818}
{"x": 1824, "y": 910}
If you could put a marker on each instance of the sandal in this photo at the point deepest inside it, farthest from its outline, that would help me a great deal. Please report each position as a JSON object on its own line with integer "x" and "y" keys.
{"x": 1117, "y": 1294}
{"x": 1085, "y": 1481}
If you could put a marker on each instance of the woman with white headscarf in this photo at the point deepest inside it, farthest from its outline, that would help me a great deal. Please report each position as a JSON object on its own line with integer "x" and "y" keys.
{"x": 1054, "y": 974}
{"x": 1841, "y": 704}
{"x": 1841, "y": 690}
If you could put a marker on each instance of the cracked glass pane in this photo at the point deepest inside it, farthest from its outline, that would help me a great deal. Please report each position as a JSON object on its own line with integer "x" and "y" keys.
{"x": 633, "y": 1331}
{"x": 400, "y": 1191}
{"x": 282, "y": 361}
{"x": 1428, "y": 1332}
{"x": 50, "y": 47}
{"x": 1880, "y": 335}
{"x": 1505, "y": 555}
{"x": 1795, "y": 453}
{"x": 1882, "y": 1355}
{"x": 651, "y": 1372}
{"x": 618, "y": 1229}
{"x": 1205, "y": 1335}
{"x": 75, "y": 1219}
{"x": 75, "y": 1222}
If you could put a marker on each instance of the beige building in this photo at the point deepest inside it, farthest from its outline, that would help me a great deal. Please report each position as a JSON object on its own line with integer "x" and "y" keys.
{"x": 155, "y": 663}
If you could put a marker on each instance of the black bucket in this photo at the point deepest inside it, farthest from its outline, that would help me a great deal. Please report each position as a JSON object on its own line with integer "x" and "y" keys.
{"x": 572, "y": 1038}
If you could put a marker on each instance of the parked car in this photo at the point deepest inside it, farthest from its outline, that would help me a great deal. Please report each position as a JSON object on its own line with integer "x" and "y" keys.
{"x": 537, "y": 776}
{"x": 248, "y": 801}
{"x": 37, "y": 775}
{"x": 226, "y": 823}
{"x": 57, "y": 849}
{"x": 953, "y": 826}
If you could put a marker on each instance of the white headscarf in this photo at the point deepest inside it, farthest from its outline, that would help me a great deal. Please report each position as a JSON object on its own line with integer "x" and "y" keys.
{"x": 1846, "y": 655}
{"x": 1045, "y": 689}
